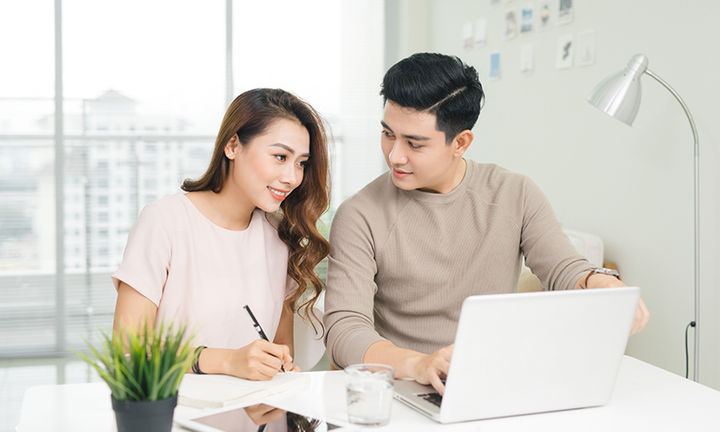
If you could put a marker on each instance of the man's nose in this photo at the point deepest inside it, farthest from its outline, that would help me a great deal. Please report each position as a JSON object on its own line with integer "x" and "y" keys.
{"x": 397, "y": 156}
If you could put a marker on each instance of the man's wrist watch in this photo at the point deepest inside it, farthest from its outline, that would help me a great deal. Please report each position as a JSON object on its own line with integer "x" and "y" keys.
{"x": 601, "y": 270}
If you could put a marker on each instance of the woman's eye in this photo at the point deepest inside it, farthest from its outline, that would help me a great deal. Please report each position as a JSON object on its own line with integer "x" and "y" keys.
{"x": 303, "y": 164}
{"x": 280, "y": 157}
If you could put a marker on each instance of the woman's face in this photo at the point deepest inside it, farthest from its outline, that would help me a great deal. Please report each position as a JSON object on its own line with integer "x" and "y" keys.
{"x": 267, "y": 169}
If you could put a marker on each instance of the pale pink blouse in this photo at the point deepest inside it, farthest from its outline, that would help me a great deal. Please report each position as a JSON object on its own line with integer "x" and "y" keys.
{"x": 201, "y": 274}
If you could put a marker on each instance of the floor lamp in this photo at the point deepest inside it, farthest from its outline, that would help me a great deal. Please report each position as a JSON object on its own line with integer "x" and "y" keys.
{"x": 619, "y": 96}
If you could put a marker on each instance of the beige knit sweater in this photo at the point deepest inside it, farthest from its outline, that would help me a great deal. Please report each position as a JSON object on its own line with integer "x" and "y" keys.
{"x": 402, "y": 262}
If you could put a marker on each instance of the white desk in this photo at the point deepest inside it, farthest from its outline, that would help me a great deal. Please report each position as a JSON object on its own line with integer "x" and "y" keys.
{"x": 646, "y": 398}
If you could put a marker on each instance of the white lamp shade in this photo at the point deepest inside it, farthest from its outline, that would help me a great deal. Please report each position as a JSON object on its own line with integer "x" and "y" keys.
{"x": 619, "y": 95}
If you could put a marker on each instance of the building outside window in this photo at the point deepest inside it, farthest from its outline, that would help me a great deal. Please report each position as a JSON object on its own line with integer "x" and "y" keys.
{"x": 136, "y": 118}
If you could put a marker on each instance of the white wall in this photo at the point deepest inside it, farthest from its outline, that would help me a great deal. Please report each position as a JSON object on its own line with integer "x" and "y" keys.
{"x": 631, "y": 186}
{"x": 358, "y": 157}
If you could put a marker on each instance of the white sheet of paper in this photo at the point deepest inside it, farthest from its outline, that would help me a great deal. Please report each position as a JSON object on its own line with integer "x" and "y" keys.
{"x": 215, "y": 391}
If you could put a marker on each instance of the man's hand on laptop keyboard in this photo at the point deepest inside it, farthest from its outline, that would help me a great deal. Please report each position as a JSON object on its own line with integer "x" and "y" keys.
{"x": 433, "y": 368}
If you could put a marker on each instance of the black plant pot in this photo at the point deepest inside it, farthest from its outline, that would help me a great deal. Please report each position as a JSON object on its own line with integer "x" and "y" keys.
{"x": 144, "y": 416}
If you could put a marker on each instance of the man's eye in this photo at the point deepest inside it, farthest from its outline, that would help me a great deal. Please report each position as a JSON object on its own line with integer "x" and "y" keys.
{"x": 413, "y": 145}
{"x": 386, "y": 133}
{"x": 280, "y": 157}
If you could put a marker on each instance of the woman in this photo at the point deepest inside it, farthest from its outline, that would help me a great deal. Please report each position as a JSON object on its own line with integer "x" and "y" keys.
{"x": 243, "y": 234}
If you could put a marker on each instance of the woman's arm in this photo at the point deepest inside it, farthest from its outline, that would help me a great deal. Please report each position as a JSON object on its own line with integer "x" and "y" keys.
{"x": 259, "y": 360}
{"x": 284, "y": 334}
{"x": 132, "y": 309}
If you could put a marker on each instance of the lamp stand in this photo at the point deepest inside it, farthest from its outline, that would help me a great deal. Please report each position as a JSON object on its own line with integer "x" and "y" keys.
{"x": 696, "y": 211}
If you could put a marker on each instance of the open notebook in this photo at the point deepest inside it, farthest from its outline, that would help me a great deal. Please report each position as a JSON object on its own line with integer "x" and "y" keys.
{"x": 217, "y": 391}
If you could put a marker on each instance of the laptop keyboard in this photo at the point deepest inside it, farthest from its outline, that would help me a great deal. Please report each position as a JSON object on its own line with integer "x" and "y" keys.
{"x": 433, "y": 398}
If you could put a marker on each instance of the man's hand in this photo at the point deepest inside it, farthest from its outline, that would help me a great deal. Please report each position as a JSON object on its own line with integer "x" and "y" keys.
{"x": 423, "y": 368}
{"x": 432, "y": 368}
{"x": 642, "y": 315}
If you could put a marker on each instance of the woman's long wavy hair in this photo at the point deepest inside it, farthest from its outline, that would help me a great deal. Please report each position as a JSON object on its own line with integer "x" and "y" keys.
{"x": 248, "y": 116}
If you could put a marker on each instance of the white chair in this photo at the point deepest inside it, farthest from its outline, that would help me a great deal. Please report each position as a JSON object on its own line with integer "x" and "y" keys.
{"x": 309, "y": 347}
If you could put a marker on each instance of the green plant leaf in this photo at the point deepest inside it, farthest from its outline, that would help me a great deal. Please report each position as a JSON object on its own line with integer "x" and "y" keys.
{"x": 147, "y": 363}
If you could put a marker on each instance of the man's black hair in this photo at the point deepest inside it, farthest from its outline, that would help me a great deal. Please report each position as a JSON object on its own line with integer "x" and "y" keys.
{"x": 439, "y": 84}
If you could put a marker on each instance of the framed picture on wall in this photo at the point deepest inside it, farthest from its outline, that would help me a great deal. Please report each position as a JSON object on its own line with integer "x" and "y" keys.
{"x": 544, "y": 12}
{"x": 564, "y": 55}
{"x": 480, "y": 32}
{"x": 511, "y": 24}
{"x": 494, "y": 72}
{"x": 527, "y": 58}
{"x": 467, "y": 35}
{"x": 585, "y": 48}
{"x": 526, "y": 19}
{"x": 565, "y": 12}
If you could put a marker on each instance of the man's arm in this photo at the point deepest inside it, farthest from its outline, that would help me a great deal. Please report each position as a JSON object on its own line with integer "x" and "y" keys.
{"x": 349, "y": 303}
{"x": 351, "y": 288}
{"x": 545, "y": 246}
{"x": 551, "y": 256}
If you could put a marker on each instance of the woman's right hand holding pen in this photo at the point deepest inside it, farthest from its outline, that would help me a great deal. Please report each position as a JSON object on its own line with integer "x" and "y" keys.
{"x": 260, "y": 360}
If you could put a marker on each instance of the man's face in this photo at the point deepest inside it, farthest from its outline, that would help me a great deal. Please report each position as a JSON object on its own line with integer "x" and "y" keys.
{"x": 415, "y": 151}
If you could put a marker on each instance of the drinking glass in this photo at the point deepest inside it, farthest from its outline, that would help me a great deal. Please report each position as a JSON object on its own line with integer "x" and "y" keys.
{"x": 369, "y": 390}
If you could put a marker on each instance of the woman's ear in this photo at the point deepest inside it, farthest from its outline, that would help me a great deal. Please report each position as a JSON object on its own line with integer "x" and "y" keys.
{"x": 462, "y": 142}
{"x": 231, "y": 147}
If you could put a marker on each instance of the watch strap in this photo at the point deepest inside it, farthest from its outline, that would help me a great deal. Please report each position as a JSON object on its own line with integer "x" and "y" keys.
{"x": 601, "y": 270}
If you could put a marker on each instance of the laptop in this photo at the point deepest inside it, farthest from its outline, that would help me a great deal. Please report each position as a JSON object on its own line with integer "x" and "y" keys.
{"x": 530, "y": 353}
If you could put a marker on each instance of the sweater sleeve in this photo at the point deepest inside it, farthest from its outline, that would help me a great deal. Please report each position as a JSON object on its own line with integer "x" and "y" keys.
{"x": 547, "y": 249}
{"x": 351, "y": 288}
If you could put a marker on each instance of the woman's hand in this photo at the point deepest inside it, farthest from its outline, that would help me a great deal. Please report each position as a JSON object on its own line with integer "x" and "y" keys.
{"x": 262, "y": 414}
{"x": 260, "y": 360}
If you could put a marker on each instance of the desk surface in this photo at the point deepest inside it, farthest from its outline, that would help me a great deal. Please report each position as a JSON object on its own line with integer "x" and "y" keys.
{"x": 646, "y": 398}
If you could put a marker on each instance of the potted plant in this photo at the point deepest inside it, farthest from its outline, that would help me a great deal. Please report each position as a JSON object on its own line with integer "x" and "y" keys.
{"x": 143, "y": 369}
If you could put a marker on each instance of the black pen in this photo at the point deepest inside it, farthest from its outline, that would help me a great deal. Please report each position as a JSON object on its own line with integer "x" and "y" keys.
{"x": 259, "y": 329}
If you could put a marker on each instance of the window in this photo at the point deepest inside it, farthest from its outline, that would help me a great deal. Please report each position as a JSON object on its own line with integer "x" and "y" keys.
{"x": 139, "y": 116}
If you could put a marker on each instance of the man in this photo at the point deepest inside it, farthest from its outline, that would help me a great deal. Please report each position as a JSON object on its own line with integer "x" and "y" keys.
{"x": 414, "y": 243}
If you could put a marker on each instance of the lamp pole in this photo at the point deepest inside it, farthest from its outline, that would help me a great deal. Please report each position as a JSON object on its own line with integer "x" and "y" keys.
{"x": 619, "y": 97}
{"x": 696, "y": 221}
